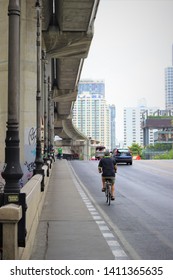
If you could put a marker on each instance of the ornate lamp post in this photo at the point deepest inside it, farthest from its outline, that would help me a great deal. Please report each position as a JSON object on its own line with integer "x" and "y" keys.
{"x": 13, "y": 172}
{"x": 49, "y": 117}
{"x": 45, "y": 107}
{"x": 51, "y": 152}
{"x": 38, "y": 160}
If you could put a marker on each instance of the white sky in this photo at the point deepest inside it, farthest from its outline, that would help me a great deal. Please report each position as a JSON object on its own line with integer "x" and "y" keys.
{"x": 131, "y": 47}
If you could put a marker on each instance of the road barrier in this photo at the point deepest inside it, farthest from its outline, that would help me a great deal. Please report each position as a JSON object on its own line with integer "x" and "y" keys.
{"x": 11, "y": 214}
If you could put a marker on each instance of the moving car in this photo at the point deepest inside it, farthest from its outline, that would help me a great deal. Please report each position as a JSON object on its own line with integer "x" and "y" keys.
{"x": 122, "y": 155}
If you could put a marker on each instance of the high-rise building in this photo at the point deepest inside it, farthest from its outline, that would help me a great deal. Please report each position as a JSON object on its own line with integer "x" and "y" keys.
{"x": 169, "y": 88}
{"x": 133, "y": 133}
{"x": 94, "y": 87}
{"x": 91, "y": 113}
{"x": 113, "y": 126}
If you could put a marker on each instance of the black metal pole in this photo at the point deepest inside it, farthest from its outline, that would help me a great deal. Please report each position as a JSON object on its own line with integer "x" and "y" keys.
{"x": 52, "y": 126}
{"x": 38, "y": 160}
{"x": 49, "y": 121}
{"x": 45, "y": 107}
{"x": 13, "y": 172}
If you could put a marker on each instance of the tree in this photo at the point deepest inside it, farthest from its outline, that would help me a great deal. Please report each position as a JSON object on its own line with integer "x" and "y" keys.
{"x": 136, "y": 149}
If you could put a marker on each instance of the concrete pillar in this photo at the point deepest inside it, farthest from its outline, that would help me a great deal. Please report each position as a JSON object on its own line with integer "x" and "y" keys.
{"x": 145, "y": 136}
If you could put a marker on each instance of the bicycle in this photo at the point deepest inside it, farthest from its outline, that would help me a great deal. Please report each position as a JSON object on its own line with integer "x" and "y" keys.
{"x": 59, "y": 156}
{"x": 108, "y": 186}
{"x": 1, "y": 187}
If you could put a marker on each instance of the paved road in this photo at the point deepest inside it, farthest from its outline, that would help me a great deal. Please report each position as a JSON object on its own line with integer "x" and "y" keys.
{"x": 142, "y": 214}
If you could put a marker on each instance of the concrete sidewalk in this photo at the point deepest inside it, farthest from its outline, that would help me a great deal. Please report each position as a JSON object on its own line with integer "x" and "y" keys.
{"x": 67, "y": 230}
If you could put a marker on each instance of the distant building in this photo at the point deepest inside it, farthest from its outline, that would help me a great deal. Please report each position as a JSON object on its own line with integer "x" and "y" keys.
{"x": 169, "y": 88}
{"x": 113, "y": 126}
{"x": 92, "y": 115}
{"x": 93, "y": 86}
{"x": 162, "y": 122}
{"x": 133, "y": 132}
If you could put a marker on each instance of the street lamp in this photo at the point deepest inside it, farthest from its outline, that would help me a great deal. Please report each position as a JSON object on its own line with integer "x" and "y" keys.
{"x": 45, "y": 106}
{"x": 45, "y": 158}
{"x": 51, "y": 152}
{"x": 38, "y": 160}
{"x": 13, "y": 172}
{"x": 49, "y": 117}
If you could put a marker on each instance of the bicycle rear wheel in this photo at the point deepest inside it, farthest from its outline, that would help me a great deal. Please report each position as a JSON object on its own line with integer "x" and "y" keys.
{"x": 106, "y": 192}
{"x": 109, "y": 194}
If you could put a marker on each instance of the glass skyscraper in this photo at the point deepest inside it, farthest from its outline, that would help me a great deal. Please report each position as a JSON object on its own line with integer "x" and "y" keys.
{"x": 94, "y": 87}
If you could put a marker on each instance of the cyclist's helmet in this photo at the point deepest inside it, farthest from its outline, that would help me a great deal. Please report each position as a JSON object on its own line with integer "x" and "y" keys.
{"x": 107, "y": 153}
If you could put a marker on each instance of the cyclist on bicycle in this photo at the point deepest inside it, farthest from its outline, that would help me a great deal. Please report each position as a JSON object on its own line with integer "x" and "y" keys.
{"x": 108, "y": 167}
{"x": 59, "y": 153}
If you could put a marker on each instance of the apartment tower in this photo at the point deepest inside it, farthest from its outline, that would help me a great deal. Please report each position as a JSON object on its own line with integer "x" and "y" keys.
{"x": 133, "y": 133}
{"x": 91, "y": 114}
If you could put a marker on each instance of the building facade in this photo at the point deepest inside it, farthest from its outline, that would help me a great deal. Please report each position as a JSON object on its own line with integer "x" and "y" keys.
{"x": 92, "y": 115}
{"x": 92, "y": 86}
{"x": 133, "y": 132}
{"x": 113, "y": 126}
{"x": 169, "y": 88}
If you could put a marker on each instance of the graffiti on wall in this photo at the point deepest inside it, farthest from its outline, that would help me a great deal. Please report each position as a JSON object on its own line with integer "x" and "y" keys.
{"x": 29, "y": 154}
{"x": 32, "y": 136}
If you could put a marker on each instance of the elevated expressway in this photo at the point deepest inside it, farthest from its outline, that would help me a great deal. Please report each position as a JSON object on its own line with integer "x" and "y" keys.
{"x": 67, "y": 32}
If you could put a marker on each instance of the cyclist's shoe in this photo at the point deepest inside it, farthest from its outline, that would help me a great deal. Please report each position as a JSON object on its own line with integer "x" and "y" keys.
{"x": 112, "y": 197}
{"x": 103, "y": 189}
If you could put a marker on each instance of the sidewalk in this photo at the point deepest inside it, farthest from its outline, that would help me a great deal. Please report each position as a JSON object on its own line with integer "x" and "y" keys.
{"x": 67, "y": 230}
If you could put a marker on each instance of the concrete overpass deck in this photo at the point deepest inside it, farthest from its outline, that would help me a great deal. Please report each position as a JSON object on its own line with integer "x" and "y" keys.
{"x": 67, "y": 32}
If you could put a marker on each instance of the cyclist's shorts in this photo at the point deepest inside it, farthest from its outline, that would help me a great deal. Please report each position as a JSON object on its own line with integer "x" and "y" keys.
{"x": 110, "y": 178}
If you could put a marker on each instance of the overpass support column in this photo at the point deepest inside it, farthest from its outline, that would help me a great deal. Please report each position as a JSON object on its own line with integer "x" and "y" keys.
{"x": 87, "y": 152}
{"x": 146, "y": 136}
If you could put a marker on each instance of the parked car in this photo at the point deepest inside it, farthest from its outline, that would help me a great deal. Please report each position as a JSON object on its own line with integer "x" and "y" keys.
{"x": 123, "y": 155}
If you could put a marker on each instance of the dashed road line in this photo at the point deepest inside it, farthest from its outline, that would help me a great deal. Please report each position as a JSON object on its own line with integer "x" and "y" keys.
{"x": 115, "y": 247}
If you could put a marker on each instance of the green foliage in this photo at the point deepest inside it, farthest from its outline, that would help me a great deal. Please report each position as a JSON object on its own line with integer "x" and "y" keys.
{"x": 160, "y": 147}
{"x": 168, "y": 155}
{"x": 158, "y": 151}
{"x": 136, "y": 149}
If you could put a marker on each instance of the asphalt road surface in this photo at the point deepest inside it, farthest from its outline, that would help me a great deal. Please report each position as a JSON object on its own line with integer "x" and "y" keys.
{"x": 142, "y": 214}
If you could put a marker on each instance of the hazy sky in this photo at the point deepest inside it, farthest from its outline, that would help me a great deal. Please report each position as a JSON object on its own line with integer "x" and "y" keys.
{"x": 131, "y": 47}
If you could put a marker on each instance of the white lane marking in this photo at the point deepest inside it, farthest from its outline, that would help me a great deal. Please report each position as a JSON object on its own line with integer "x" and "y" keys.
{"x": 114, "y": 245}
